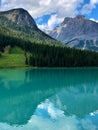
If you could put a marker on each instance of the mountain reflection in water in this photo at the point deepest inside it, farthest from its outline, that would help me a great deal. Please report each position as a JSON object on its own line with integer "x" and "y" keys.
{"x": 63, "y": 98}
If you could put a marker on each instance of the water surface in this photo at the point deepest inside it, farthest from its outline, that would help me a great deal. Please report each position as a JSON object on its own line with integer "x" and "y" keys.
{"x": 49, "y": 99}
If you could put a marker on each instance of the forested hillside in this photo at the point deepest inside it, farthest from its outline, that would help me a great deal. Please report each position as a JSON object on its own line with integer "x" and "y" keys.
{"x": 21, "y": 40}
{"x": 41, "y": 55}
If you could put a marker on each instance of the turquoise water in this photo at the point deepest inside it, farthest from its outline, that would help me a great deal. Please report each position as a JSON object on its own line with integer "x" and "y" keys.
{"x": 49, "y": 99}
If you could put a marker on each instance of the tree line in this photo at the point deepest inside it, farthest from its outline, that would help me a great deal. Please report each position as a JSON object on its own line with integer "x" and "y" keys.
{"x": 44, "y": 55}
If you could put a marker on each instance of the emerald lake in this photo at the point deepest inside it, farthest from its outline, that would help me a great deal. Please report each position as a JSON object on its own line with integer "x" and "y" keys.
{"x": 49, "y": 99}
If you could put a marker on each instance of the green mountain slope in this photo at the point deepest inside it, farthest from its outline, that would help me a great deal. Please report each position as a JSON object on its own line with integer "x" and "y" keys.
{"x": 10, "y": 27}
{"x": 18, "y": 30}
{"x": 17, "y": 26}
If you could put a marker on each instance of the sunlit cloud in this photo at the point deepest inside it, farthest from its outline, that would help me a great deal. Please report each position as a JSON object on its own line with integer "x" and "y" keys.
{"x": 87, "y": 8}
{"x": 39, "y": 8}
{"x": 92, "y": 19}
{"x": 57, "y": 9}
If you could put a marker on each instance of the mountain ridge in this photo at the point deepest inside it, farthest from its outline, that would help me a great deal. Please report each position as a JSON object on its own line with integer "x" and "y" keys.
{"x": 80, "y": 28}
{"x": 19, "y": 16}
{"x": 38, "y": 49}
{"x": 19, "y": 23}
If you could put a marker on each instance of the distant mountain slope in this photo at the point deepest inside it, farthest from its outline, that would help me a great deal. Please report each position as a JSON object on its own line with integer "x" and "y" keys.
{"x": 77, "y": 32}
{"x": 18, "y": 30}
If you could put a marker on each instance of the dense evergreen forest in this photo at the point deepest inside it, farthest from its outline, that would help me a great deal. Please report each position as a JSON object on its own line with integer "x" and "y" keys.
{"x": 37, "y": 48}
{"x": 44, "y": 55}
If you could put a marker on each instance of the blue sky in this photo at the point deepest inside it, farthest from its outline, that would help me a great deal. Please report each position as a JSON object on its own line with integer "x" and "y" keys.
{"x": 50, "y": 13}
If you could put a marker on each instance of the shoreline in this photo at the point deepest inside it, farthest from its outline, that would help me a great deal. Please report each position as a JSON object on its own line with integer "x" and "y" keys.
{"x": 32, "y": 67}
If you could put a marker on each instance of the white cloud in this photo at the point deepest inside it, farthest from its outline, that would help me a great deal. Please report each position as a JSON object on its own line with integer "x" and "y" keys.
{"x": 92, "y": 19}
{"x": 93, "y": 1}
{"x": 62, "y": 122}
{"x": 87, "y": 8}
{"x": 43, "y": 27}
{"x": 60, "y": 9}
{"x": 38, "y": 8}
{"x": 41, "y": 7}
{"x": 54, "y": 20}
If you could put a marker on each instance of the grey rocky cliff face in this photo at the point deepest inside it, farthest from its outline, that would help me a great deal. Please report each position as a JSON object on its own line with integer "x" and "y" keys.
{"x": 77, "y": 32}
{"x": 19, "y": 16}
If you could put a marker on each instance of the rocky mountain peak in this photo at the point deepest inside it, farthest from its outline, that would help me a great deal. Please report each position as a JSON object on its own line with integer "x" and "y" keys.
{"x": 77, "y": 32}
{"x": 77, "y": 18}
{"x": 19, "y": 16}
{"x": 80, "y": 17}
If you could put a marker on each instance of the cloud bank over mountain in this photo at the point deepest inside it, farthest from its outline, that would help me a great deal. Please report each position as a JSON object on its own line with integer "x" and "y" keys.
{"x": 56, "y": 9}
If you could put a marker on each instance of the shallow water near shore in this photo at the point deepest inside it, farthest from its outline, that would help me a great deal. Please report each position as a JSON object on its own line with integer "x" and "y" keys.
{"x": 49, "y": 99}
